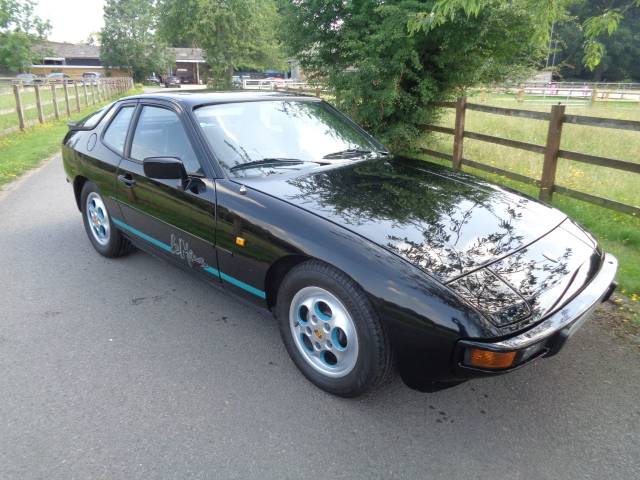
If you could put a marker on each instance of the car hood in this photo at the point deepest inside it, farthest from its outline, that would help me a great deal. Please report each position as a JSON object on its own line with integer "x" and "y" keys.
{"x": 509, "y": 256}
{"x": 445, "y": 222}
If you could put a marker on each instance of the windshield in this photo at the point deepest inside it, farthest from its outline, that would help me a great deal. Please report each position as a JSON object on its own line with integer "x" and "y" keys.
{"x": 245, "y": 132}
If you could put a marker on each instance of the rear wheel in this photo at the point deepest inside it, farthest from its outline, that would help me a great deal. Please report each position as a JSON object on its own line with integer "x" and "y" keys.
{"x": 104, "y": 237}
{"x": 331, "y": 331}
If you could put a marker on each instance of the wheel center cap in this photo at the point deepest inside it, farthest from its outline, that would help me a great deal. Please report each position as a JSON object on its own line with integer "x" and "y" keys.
{"x": 318, "y": 333}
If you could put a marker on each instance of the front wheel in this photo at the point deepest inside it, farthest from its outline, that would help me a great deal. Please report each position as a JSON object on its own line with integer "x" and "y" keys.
{"x": 331, "y": 330}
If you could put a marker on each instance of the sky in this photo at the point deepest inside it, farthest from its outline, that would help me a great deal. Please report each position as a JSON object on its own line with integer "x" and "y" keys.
{"x": 71, "y": 20}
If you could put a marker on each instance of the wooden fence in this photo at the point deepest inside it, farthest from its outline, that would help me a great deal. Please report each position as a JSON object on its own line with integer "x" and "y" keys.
{"x": 551, "y": 151}
{"x": 303, "y": 89}
{"x": 586, "y": 94}
{"x": 22, "y": 106}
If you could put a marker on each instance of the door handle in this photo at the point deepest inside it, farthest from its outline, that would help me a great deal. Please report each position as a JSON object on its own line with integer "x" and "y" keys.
{"x": 127, "y": 179}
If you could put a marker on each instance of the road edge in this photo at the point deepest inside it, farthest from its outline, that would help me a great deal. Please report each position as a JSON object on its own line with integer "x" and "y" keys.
{"x": 6, "y": 189}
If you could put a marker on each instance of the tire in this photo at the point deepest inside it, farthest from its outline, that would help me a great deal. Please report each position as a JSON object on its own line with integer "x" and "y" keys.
{"x": 105, "y": 238}
{"x": 346, "y": 351}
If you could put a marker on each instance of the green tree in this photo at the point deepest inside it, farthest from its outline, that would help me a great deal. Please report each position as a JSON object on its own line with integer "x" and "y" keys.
{"x": 233, "y": 33}
{"x": 620, "y": 50}
{"x": 20, "y": 28}
{"x": 601, "y": 25}
{"x": 130, "y": 39}
{"x": 596, "y": 28}
{"x": 388, "y": 60}
{"x": 177, "y": 22}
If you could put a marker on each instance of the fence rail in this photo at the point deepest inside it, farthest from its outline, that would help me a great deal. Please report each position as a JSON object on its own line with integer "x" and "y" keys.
{"x": 575, "y": 93}
{"x": 51, "y": 100}
{"x": 551, "y": 151}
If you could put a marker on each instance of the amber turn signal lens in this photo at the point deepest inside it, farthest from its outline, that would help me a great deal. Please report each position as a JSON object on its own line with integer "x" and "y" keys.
{"x": 487, "y": 359}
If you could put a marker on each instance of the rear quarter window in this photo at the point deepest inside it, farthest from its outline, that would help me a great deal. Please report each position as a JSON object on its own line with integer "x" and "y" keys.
{"x": 116, "y": 133}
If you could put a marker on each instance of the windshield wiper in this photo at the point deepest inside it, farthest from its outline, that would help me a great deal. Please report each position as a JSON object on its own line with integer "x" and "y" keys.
{"x": 266, "y": 162}
{"x": 352, "y": 152}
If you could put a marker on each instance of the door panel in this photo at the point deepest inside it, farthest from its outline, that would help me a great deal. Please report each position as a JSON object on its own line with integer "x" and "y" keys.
{"x": 177, "y": 224}
{"x": 249, "y": 216}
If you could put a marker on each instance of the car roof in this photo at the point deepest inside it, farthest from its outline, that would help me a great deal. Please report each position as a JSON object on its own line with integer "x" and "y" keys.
{"x": 197, "y": 98}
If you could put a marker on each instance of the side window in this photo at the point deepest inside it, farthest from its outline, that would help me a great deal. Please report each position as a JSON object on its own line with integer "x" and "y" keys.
{"x": 116, "y": 132}
{"x": 159, "y": 133}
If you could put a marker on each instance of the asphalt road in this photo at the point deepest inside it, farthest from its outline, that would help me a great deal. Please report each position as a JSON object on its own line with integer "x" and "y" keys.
{"x": 130, "y": 369}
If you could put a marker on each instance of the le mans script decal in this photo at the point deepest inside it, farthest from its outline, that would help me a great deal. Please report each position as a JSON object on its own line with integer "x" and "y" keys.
{"x": 181, "y": 248}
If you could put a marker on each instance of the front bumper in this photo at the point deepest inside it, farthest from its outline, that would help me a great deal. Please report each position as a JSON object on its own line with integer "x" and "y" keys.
{"x": 549, "y": 336}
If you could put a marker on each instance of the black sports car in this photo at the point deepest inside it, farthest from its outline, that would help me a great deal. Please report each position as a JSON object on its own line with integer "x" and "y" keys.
{"x": 369, "y": 261}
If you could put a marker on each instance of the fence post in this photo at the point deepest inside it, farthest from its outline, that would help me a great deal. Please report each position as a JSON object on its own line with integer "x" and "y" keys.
{"x": 66, "y": 98}
{"x": 520, "y": 97}
{"x": 54, "y": 99}
{"x": 594, "y": 95}
{"x": 458, "y": 135}
{"x": 19, "y": 110}
{"x": 86, "y": 97}
{"x": 552, "y": 147}
{"x": 93, "y": 93}
{"x": 36, "y": 88}
{"x": 75, "y": 87}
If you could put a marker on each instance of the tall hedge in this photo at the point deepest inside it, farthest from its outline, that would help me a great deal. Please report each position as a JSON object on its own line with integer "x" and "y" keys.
{"x": 388, "y": 60}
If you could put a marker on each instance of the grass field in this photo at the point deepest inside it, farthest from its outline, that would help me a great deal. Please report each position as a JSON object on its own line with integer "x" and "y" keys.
{"x": 21, "y": 151}
{"x": 618, "y": 233}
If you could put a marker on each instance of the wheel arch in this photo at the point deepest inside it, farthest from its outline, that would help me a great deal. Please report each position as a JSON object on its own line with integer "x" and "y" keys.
{"x": 276, "y": 273}
{"x": 78, "y": 183}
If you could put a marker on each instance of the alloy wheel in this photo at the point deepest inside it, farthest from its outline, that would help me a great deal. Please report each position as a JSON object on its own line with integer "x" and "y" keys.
{"x": 323, "y": 332}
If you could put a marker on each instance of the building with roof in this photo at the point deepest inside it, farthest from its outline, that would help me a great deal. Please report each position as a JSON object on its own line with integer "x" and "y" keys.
{"x": 189, "y": 65}
{"x": 75, "y": 59}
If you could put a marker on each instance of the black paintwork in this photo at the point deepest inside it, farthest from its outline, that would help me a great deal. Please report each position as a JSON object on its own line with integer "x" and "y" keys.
{"x": 443, "y": 256}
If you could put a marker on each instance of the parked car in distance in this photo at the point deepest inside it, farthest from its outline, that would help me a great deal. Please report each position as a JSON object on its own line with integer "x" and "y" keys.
{"x": 59, "y": 77}
{"x": 277, "y": 82}
{"x": 368, "y": 260}
{"x": 27, "y": 79}
{"x": 91, "y": 77}
{"x": 153, "y": 79}
{"x": 236, "y": 82}
{"x": 172, "y": 81}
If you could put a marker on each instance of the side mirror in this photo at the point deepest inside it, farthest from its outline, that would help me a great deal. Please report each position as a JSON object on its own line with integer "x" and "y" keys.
{"x": 164, "y": 168}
